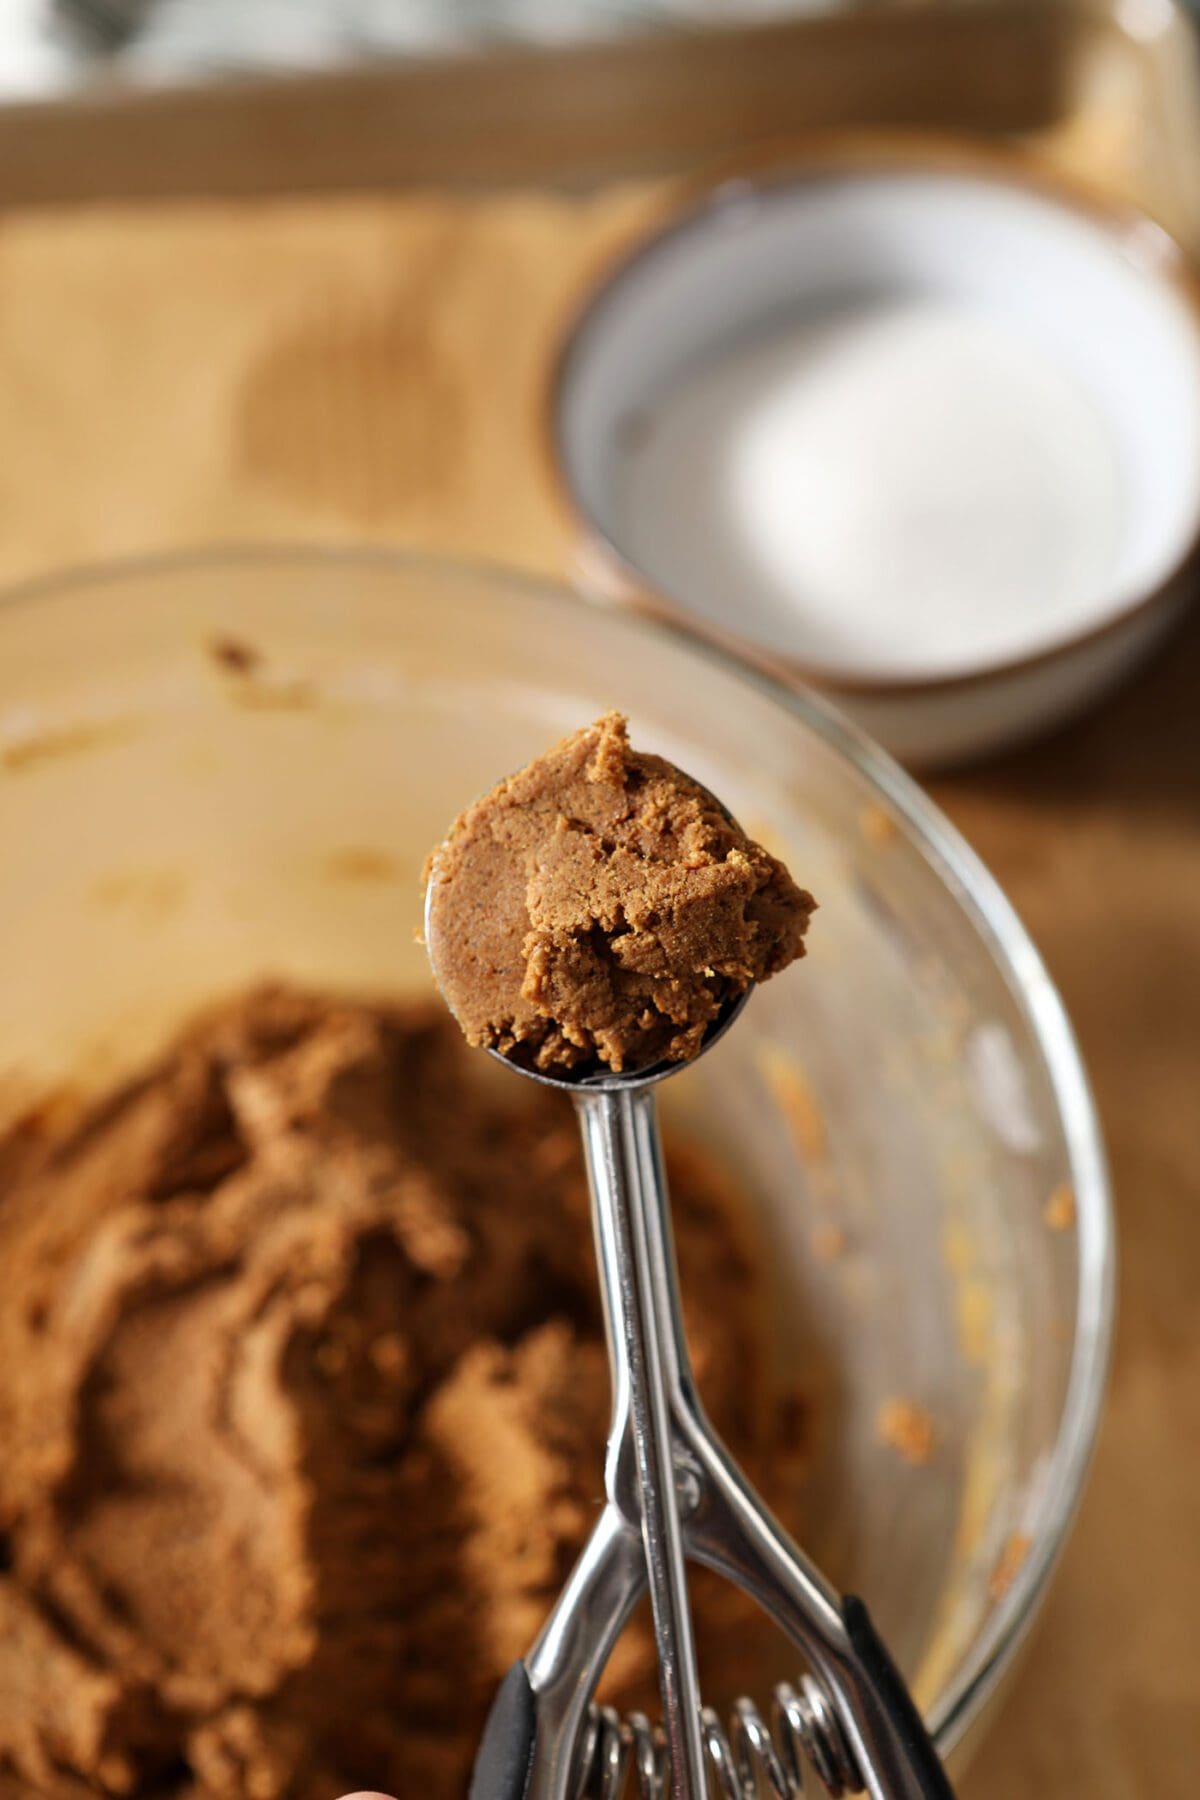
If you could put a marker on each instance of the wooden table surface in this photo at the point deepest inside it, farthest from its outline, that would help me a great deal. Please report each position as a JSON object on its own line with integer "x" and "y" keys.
{"x": 341, "y": 370}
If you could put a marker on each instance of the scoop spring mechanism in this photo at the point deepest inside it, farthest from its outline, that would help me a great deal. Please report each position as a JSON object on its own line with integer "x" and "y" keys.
{"x": 625, "y": 1758}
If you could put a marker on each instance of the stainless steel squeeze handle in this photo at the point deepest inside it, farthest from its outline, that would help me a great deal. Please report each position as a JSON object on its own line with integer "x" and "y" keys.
{"x": 674, "y": 1493}
{"x": 645, "y": 1344}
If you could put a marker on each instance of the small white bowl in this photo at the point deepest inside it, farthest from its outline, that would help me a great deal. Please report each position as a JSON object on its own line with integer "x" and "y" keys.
{"x": 915, "y": 426}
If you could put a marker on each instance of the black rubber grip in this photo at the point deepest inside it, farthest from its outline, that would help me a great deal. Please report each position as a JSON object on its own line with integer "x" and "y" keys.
{"x": 894, "y": 1696}
{"x": 505, "y": 1754}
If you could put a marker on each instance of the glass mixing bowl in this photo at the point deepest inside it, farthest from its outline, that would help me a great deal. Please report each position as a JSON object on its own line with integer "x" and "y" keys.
{"x": 219, "y": 769}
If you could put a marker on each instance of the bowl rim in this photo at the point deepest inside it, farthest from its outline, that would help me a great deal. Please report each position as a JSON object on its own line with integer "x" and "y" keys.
{"x": 820, "y": 155}
{"x": 993, "y": 917}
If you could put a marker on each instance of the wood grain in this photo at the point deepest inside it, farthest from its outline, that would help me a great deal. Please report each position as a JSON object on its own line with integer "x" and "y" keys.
{"x": 281, "y": 370}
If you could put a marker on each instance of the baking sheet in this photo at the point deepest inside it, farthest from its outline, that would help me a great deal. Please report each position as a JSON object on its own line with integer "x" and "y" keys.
{"x": 1113, "y": 83}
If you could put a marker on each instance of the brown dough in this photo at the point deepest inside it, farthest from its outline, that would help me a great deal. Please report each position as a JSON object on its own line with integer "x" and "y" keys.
{"x": 600, "y": 905}
{"x": 302, "y": 1402}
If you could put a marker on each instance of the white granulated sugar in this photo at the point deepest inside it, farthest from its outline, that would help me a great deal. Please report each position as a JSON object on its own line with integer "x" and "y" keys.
{"x": 915, "y": 486}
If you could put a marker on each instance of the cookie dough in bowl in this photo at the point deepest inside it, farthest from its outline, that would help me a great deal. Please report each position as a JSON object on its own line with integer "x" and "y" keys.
{"x": 303, "y": 1393}
{"x": 292, "y": 1302}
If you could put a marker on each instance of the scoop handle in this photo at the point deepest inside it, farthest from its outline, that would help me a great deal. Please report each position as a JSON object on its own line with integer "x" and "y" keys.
{"x": 926, "y": 1776}
{"x": 505, "y": 1755}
